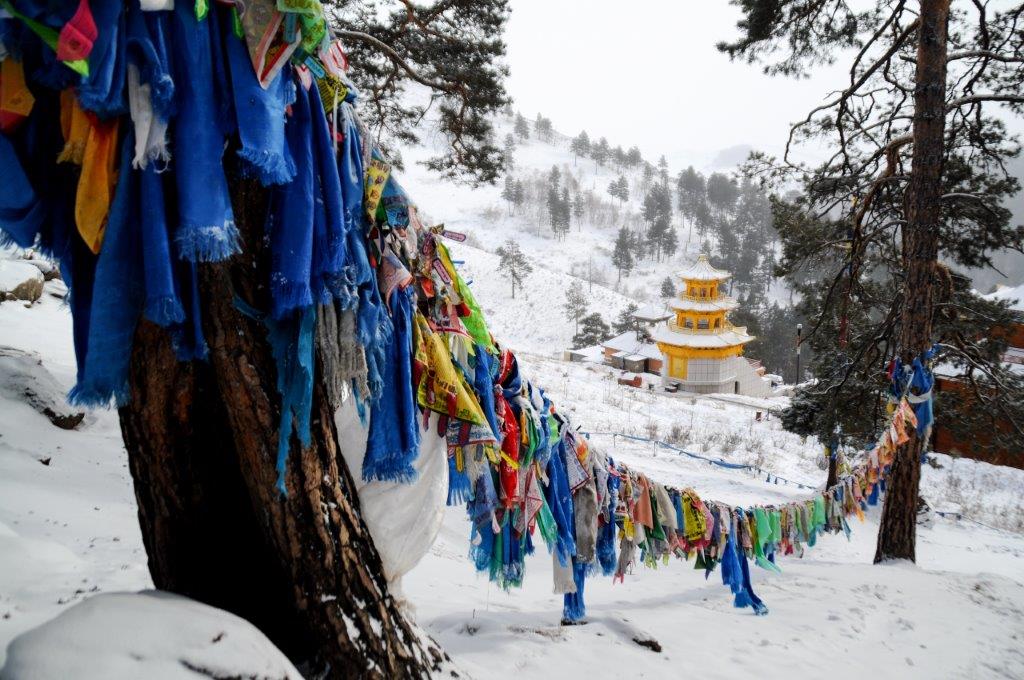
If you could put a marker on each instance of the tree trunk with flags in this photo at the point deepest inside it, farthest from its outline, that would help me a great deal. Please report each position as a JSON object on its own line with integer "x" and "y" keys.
{"x": 898, "y": 529}
{"x": 202, "y": 441}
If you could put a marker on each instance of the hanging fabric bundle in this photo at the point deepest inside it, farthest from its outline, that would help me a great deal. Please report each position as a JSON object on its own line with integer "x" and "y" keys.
{"x": 574, "y": 610}
{"x": 559, "y": 499}
{"x": 261, "y": 116}
{"x": 206, "y": 231}
{"x": 291, "y": 342}
{"x": 102, "y": 91}
{"x": 150, "y": 84}
{"x": 394, "y": 439}
{"x": 114, "y": 313}
{"x": 98, "y": 180}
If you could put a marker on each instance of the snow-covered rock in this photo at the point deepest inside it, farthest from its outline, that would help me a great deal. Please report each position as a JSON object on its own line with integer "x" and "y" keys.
{"x": 48, "y": 269}
{"x": 153, "y": 635}
{"x": 20, "y": 280}
{"x": 23, "y": 377}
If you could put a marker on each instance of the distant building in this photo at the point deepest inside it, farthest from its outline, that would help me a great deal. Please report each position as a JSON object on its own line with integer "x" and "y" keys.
{"x": 944, "y": 440}
{"x": 630, "y": 351}
{"x": 702, "y": 352}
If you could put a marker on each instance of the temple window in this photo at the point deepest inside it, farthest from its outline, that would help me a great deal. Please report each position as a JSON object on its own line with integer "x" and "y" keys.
{"x": 718, "y": 323}
{"x": 702, "y": 324}
{"x": 688, "y": 323}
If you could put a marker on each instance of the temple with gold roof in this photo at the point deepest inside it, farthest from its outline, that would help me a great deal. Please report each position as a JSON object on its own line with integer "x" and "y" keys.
{"x": 702, "y": 351}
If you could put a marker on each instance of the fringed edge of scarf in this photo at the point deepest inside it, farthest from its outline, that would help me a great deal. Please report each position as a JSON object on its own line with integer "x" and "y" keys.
{"x": 460, "y": 490}
{"x": 269, "y": 167}
{"x": 99, "y": 396}
{"x": 395, "y": 468}
{"x": 7, "y": 240}
{"x": 164, "y": 311}
{"x": 287, "y": 296}
{"x": 209, "y": 243}
{"x": 574, "y": 610}
{"x": 158, "y": 152}
{"x": 73, "y": 152}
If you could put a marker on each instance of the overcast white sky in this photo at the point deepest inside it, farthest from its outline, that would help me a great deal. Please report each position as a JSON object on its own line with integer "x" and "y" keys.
{"x": 646, "y": 72}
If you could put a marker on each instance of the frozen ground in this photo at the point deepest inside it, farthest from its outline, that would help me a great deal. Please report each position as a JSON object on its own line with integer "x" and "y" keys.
{"x": 68, "y": 530}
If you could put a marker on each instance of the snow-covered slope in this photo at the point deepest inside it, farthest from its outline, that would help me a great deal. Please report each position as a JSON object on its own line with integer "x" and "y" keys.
{"x": 481, "y": 213}
{"x": 534, "y": 320}
{"x": 68, "y": 530}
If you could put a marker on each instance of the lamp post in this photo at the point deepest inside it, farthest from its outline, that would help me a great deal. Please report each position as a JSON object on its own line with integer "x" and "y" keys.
{"x": 799, "y": 334}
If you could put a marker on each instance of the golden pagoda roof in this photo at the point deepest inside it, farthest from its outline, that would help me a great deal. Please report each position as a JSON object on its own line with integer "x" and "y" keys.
{"x": 692, "y": 303}
{"x": 701, "y": 270}
{"x": 714, "y": 338}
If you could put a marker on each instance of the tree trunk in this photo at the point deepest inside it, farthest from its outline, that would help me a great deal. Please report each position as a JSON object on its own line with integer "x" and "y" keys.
{"x": 897, "y": 533}
{"x": 833, "y": 471}
{"x": 202, "y": 442}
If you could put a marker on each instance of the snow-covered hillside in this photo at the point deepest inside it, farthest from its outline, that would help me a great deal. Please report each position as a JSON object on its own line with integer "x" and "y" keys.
{"x": 68, "y": 530}
{"x": 481, "y": 213}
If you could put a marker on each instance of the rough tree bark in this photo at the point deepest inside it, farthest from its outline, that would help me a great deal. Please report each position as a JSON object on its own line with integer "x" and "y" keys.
{"x": 202, "y": 441}
{"x": 897, "y": 533}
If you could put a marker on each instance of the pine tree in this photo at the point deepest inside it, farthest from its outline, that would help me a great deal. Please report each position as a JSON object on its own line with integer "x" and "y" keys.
{"x": 575, "y": 304}
{"x": 648, "y": 172}
{"x": 456, "y": 52}
{"x": 624, "y": 321}
{"x": 722, "y": 193}
{"x": 619, "y": 157}
{"x": 580, "y": 146}
{"x": 914, "y": 184}
{"x": 509, "y": 193}
{"x": 519, "y": 194}
{"x": 522, "y": 128}
{"x": 564, "y": 212}
{"x": 657, "y": 213}
{"x": 578, "y": 207}
{"x": 510, "y": 152}
{"x": 622, "y": 254}
{"x": 599, "y": 151}
{"x": 690, "y": 188}
{"x": 633, "y": 157}
{"x": 669, "y": 242}
{"x": 513, "y": 263}
{"x": 542, "y": 128}
{"x": 663, "y": 169}
{"x": 668, "y": 289}
{"x": 554, "y": 199}
{"x": 593, "y": 331}
{"x": 619, "y": 188}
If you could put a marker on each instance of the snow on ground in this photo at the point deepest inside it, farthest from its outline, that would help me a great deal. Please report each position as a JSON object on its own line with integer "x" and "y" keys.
{"x": 68, "y": 530}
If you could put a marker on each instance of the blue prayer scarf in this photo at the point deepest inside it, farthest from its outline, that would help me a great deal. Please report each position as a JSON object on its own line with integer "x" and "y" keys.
{"x": 291, "y": 341}
{"x": 483, "y": 385}
{"x": 21, "y": 211}
{"x": 260, "y": 114}
{"x": 350, "y": 172}
{"x": 114, "y": 313}
{"x": 559, "y": 499}
{"x": 394, "y": 437}
{"x": 330, "y": 248}
{"x": 103, "y": 90}
{"x": 291, "y": 219}
{"x": 206, "y": 231}
{"x": 573, "y": 608}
